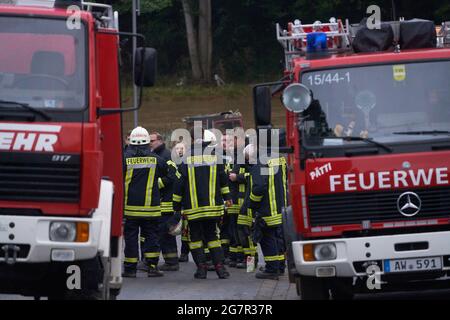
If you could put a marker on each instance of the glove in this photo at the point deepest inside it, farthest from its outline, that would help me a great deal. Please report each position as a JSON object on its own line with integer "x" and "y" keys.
{"x": 259, "y": 226}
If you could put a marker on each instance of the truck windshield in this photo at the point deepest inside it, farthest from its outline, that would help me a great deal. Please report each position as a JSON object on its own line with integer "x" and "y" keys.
{"x": 378, "y": 102}
{"x": 42, "y": 63}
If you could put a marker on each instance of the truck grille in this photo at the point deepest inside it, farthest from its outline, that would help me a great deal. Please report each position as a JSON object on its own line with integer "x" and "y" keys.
{"x": 23, "y": 252}
{"x": 36, "y": 177}
{"x": 354, "y": 208}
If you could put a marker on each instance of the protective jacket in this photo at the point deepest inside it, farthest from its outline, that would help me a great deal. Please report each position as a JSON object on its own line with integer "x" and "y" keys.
{"x": 166, "y": 184}
{"x": 203, "y": 184}
{"x": 237, "y": 188}
{"x": 268, "y": 193}
{"x": 142, "y": 169}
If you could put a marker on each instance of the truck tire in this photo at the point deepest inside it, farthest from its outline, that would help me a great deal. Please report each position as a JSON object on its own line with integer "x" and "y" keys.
{"x": 289, "y": 236}
{"x": 113, "y": 294}
{"x": 102, "y": 292}
{"x": 342, "y": 289}
{"x": 312, "y": 288}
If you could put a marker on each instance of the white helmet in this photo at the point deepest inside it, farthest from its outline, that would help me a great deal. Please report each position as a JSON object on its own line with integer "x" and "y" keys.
{"x": 176, "y": 229}
{"x": 175, "y": 224}
{"x": 250, "y": 151}
{"x": 209, "y": 136}
{"x": 139, "y": 136}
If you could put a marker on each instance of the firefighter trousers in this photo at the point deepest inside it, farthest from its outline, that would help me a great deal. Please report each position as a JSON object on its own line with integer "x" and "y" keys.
{"x": 204, "y": 232}
{"x": 225, "y": 236}
{"x": 246, "y": 242}
{"x": 236, "y": 250}
{"x": 148, "y": 227}
{"x": 273, "y": 249}
{"x": 168, "y": 243}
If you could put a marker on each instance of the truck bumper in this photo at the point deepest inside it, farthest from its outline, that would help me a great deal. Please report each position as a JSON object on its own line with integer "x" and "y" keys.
{"x": 352, "y": 253}
{"x": 31, "y": 235}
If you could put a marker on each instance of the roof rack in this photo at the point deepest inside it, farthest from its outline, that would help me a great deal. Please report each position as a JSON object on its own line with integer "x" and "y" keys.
{"x": 103, "y": 13}
{"x": 294, "y": 38}
{"x": 443, "y": 34}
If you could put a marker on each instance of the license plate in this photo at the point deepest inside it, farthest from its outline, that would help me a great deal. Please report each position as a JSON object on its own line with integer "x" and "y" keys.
{"x": 411, "y": 265}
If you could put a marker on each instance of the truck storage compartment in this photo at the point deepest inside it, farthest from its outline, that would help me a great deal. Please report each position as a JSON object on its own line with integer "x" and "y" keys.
{"x": 417, "y": 34}
{"x": 373, "y": 40}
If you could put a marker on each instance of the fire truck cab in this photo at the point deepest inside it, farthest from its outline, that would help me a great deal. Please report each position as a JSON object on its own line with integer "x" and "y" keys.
{"x": 368, "y": 137}
{"x": 61, "y": 162}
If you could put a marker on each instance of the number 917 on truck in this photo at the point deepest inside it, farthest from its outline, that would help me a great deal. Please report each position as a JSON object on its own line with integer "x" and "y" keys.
{"x": 61, "y": 183}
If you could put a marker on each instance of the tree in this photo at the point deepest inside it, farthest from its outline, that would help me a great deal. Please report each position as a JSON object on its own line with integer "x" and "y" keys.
{"x": 199, "y": 40}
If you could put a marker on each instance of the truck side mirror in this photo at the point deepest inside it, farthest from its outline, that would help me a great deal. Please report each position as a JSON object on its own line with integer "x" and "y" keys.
{"x": 145, "y": 61}
{"x": 262, "y": 106}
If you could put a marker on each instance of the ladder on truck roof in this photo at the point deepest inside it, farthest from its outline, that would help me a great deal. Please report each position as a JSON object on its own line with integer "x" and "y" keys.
{"x": 104, "y": 14}
{"x": 293, "y": 40}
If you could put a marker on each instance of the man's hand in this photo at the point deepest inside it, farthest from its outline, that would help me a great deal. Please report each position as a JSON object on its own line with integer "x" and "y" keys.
{"x": 233, "y": 177}
{"x": 228, "y": 203}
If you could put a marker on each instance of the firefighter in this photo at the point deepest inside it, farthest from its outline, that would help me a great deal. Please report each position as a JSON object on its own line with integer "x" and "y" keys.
{"x": 268, "y": 195}
{"x": 225, "y": 225}
{"x": 245, "y": 217}
{"x": 168, "y": 242}
{"x": 201, "y": 192}
{"x": 180, "y": 149}
{"x": 237, "y": 188}
{"x": 142, "y": 202}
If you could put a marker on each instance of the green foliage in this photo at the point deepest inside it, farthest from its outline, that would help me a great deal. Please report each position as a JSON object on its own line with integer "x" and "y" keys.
{"x": 244, "y": 44}
{"x": 147, "y": 6}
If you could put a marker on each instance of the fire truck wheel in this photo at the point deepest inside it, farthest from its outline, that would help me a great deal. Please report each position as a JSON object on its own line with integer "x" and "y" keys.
{"x": 113, "y": 294}
{"x": 103, "y": 291}
{"x": 289, "y": 236}
{"x": 342, "y": 289}
{"x": 312, "y": 288}
{"x": 99, "y": 269}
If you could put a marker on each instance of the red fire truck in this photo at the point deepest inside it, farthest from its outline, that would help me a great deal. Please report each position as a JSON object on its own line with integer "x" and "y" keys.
{"x": 368, "y": 137}
{"x": 61, "y": 184}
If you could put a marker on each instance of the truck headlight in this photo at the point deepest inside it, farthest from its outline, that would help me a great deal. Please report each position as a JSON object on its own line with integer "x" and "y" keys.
{"x": 325, "y": 251}
{"x": 63, "y": 231}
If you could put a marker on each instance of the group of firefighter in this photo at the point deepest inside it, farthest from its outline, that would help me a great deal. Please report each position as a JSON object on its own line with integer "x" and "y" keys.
{"x": 221, "y": 208}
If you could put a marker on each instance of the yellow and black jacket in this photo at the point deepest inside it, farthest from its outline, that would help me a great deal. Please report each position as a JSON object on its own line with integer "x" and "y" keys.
{"x": 268, "y": 192}
{"x": 166, "y": 184}
{"x": 203, "y": 185}
{"x": 245, "y": 217}
{"x": 143, "y": 169}
{"x": 237, "y": 188}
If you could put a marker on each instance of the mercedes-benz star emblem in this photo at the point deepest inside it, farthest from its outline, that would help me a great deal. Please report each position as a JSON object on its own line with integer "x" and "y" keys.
{"x": 409, "y": 204}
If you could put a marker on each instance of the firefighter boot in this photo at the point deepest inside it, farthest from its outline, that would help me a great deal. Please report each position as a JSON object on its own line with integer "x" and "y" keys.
{"x": 129, "y": 273}
{"x": 154, "y": 272}
{"x": 170, "y": 267}
{"x": 210, "y": 266}
{"x": 142, "y": 266}
{"x": 221, "y": 271}
{"x": 202, "y": 271}
{"x": 183, "y": 257}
